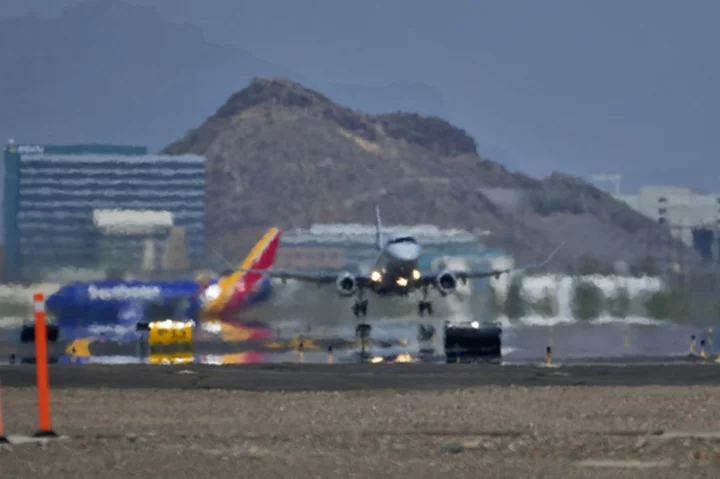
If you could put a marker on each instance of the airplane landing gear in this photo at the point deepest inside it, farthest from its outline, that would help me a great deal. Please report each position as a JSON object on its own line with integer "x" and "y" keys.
{"x": 360, "y": 306}
{"x": 362, "y": 331}
{"x": 425, "y": 305}
{"x": 426, "y": 332}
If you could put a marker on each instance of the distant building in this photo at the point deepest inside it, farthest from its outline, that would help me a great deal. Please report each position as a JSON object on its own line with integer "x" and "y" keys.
{"x": 99, "y": 206}
{"x": 691, "y": 216}
{"x": 131, "y": 239}
{"x": 352, "y": 247}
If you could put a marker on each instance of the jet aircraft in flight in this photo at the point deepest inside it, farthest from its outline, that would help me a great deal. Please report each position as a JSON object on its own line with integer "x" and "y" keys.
{"x": 395, "y": 272}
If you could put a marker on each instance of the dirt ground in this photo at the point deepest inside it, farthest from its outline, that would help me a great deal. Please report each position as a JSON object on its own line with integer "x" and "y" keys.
{"x": 486, "y": 432}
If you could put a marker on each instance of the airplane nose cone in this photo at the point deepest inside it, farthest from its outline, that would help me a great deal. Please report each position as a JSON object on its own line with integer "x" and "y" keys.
{"x": 405, "y": 252}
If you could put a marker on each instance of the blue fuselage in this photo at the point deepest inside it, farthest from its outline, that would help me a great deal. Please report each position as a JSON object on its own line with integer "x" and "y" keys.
{"x": 116, "y": 307}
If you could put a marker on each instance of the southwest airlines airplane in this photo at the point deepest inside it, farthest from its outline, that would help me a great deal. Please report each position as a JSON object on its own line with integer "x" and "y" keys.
{"x": 79, "y": 308}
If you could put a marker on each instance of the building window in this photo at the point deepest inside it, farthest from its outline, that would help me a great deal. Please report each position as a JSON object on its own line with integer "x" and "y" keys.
{"x": 662, "y": 199}
{"x": 661, "y": 221}
{"x": 662, "y": 211}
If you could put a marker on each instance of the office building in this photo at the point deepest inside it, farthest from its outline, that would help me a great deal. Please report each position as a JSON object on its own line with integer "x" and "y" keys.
{"x": 691, "y": 216}
{"x": 99, "y": 206}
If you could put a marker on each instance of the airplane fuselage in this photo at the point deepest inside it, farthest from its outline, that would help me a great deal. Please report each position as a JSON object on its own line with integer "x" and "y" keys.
{"x": 396, "y": 269}
{"x": 78, "y": 307}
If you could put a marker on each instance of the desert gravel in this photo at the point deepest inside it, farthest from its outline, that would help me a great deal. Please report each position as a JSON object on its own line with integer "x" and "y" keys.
{"x": 494, "y": 432}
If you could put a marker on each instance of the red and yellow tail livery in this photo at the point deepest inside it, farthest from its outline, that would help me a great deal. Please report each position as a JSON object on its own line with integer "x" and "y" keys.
{"x": 238, "y": 290}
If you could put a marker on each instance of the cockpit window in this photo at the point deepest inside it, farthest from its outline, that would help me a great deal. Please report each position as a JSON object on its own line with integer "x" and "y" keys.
{"x": 403, "y": 239}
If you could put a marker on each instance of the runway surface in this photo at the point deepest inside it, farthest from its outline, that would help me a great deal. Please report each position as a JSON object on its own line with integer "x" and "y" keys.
{"x": 341, "y": 377}
{"x": 485, "y": 419}
{"x": 604, "y": 352}
{"x": 521, "y": 342}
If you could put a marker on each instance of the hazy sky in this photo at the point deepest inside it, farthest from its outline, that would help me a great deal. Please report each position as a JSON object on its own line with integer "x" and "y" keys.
{"x": 571, "y": 85}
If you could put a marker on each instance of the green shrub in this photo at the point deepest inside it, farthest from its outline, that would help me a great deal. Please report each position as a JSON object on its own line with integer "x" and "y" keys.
{"x": 673, "y": 304}
{"x": 515, "y": 305}
{"x": 618, "y": 304}
{"x": 494, "y": 303}
{"x": 588, "y": 301}
{"x": 546, "y": 306}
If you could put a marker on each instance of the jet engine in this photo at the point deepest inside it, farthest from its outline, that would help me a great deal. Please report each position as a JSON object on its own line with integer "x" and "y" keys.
{"x": 446, "y": 283}
{"x": 346, "y": 284}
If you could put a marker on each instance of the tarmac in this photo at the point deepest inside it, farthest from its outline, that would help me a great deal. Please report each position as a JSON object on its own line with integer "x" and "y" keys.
{"x": 348, "y": 377}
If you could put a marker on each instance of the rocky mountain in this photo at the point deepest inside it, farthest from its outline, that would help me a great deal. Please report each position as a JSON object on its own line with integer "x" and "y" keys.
{"x": 282, "y": 154}
{"x": 402, "y": 96}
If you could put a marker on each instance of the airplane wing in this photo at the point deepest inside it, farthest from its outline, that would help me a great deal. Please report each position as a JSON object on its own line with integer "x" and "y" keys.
{"x": 324, "y": 277}
{"x": 464, "y": 275}
{"x": 318, "y": 277}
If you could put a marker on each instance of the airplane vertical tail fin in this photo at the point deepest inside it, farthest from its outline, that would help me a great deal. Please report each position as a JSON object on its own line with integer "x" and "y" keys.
{"x": 378, "y": 229}
{"x": 262, "y": 256}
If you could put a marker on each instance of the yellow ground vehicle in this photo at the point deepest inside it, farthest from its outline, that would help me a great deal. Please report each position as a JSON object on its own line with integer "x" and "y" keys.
{"x": 170, "y": 332}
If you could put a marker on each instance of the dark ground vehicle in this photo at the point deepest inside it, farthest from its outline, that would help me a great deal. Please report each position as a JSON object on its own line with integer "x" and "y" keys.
{"x": 473, "y": 341}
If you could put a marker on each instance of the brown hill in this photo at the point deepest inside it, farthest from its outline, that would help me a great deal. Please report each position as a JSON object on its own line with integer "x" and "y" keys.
{"x": 279, "y": 153}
